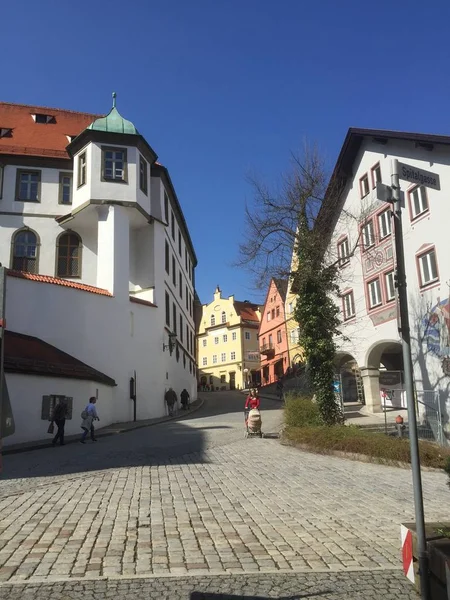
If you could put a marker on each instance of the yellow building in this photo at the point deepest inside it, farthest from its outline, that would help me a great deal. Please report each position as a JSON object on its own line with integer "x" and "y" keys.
{"x": 296, "y": 354}
{"x": 227, "y": 343}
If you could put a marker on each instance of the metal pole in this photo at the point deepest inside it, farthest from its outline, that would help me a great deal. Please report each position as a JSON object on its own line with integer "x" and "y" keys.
{"x": 2, "y": 351}
{"x": 409, "y": 385}
{"x": 135, "y": 397}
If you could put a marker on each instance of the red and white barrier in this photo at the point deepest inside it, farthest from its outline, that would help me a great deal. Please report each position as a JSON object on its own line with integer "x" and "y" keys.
{"x": 407, "y": 553}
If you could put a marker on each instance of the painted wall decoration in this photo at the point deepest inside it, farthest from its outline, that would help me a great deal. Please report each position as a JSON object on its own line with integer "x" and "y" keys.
{"x": 436, "y": 326}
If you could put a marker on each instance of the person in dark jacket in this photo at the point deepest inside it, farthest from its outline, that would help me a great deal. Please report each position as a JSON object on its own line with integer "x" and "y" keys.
{"x": 184, "y": 397}
{"x": 171, "y": 399}
{"x": 59, "y": 417}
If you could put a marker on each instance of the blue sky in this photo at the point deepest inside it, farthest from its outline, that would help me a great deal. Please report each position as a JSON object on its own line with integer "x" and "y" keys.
{"x": 224, "y": 88}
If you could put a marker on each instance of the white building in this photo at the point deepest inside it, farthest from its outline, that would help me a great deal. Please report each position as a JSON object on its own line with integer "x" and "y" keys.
{"x": 101, "y": 268}
{"x": 369, "y": 357}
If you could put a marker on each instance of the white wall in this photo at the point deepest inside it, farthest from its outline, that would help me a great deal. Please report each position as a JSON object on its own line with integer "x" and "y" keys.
{"x": 26, "y": 393}
{"x": 114, "y": 336}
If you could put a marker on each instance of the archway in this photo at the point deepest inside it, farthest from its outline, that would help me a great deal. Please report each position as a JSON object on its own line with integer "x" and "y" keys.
{"x": 347, "y": 370}
{"x": 385, "y": 370}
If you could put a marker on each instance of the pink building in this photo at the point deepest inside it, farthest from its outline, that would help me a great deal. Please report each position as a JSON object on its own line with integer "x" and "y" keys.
{"x": 273, "y": 342}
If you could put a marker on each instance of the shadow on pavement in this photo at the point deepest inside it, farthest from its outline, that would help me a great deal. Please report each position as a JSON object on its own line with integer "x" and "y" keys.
{"x": 185, "y": 441}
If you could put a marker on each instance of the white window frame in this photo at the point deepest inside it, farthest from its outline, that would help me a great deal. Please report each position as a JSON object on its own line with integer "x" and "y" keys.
{"x": 389, "y": 285}
{"x": 343, "y": 252}
{"x": 223, "y": 357}
{"x": 234, "y": 336}
{"x": 118, "y": 157}
{"x": 385, "y": 224}
{"x": 290, "y": 308}
{"x": 247, "y": 335}
{"x": 224, "y": 317}
{"x": 225, "y": 338}
{"x": 426, "y": 265}
{"x": 419, "y": 192}
{"x": 348, "y": 305}
{"x": 268, "y": 316}
{"x": 205, "y": 343}
{"x": 373, "y": 171}
{"x": 362, "y": 188}
{"x": 214, "y": 359}
{"x": 368, "y": 235}
{"x": 233, "y": 356}
{"x": 374, "y": 293}
{"x": 213, "y": 320}
{"x": 216, "y": 340}
{"x": 205, "y": 361}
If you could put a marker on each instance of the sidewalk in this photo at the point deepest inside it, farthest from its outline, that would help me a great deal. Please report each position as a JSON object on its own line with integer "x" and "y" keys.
{"x": 112, "y": 429}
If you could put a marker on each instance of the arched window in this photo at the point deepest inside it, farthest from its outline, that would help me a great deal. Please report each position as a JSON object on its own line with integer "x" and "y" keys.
{"x": 68, "y": 255}
{"x": 25, "y": 251}
{"x": 224, "y": 317}
{"x": 213, "y": 320}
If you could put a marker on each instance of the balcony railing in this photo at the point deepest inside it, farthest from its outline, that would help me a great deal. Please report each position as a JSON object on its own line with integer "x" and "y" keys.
{"x": 267, "y": 349}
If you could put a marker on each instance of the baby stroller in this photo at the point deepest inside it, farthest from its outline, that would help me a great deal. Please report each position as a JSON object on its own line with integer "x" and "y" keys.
{"x": 253, "y": 423}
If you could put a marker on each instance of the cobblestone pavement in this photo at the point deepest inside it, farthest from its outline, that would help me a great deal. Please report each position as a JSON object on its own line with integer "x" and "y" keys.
{"x": 386, "y": 585}
{"x": 195, "y": 498}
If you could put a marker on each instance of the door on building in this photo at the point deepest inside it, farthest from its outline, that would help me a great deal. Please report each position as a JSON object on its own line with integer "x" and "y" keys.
{"x": 232, "y": 380}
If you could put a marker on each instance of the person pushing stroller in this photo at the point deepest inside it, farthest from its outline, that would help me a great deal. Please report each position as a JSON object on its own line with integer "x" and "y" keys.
{"x": 252, "y": 415}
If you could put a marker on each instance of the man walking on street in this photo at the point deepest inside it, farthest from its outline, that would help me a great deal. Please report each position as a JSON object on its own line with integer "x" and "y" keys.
{"x": 171, "y": 398}
{"x": 184, "y": 397}
{"x": 59, "y": 417}
{"x": 89, "y": 415}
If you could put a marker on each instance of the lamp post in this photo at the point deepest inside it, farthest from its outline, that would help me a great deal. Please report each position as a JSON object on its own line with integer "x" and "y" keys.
{"x": 171, "y": 345}
{"x": 245, "y": 378}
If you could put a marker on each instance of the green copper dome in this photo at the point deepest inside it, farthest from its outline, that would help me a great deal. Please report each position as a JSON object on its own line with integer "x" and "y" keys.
{"x": 113, "y": 122}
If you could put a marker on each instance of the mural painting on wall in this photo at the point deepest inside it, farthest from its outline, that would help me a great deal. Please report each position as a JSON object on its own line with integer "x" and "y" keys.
{"x": 437, "y": 329}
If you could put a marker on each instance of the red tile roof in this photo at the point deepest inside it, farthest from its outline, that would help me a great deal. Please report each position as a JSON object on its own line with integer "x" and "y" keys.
{"x": 246, "y": 310}
{"x": 40, "y": 139}
{"x": 141, "y": 301}
{"x": 33, "y": 356}
{"x": 57, "y": 281}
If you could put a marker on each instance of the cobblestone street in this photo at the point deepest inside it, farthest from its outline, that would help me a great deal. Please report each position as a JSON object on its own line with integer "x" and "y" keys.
{"x": 195, "y": 498}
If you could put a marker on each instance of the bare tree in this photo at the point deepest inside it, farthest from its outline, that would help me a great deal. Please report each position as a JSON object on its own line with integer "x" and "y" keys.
{"x": 272, "y": 217}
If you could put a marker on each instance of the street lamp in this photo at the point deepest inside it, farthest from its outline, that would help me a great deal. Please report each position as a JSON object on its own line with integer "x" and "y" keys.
{"x": 171, "y": 345}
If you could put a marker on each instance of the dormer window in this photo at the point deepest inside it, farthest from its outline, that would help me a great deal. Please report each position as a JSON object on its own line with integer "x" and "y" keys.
{"x": 41, "y": 118}
{"x": 5, "y": 132}
{"x": 114, "y": 164}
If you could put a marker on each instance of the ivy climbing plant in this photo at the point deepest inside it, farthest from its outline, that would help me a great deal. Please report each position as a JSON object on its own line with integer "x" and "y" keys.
{"x": 315, "y": 282}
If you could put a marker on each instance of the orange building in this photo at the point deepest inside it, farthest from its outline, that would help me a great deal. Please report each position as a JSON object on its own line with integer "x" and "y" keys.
{"x": 273, "y": 342}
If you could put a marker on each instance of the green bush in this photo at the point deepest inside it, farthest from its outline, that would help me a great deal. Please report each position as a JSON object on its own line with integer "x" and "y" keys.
{"x": 301, "y": 411}
{"x": 377, "y": 446}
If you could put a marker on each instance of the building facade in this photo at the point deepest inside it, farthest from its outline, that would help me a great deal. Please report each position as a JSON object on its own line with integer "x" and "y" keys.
{"x": 101, "y": 263}
{"x": 273, "y": 340}
{"x": 227, "y": 344}
{"x": 369, "y": 357}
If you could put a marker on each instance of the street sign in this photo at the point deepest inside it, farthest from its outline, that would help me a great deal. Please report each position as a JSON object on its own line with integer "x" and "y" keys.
{"x": 419, "y": 176}
{"x": 384, "y": 192}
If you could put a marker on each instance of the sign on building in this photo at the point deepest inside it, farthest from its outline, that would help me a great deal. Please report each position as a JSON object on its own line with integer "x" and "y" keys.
{"x": 419, "y": 176}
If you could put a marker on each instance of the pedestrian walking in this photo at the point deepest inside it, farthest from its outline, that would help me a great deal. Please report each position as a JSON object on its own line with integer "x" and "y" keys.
{"x": 171, "y": 399}
{"x": 89, "y": 415}
{"x": 59, "y": 417}
{"x": 184, "y": 397}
